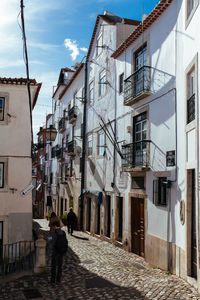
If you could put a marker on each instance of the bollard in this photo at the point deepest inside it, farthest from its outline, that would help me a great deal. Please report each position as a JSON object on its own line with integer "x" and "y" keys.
{"x": 40, "y": 263}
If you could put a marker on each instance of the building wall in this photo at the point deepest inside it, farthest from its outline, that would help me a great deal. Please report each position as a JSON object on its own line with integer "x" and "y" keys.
{"x": 15, "y": 149}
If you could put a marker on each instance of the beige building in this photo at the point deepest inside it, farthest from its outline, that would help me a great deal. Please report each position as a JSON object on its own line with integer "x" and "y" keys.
{"x": 15, "y": 159}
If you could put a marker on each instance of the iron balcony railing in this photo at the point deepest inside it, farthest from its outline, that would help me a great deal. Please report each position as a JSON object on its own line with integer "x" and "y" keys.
{"x": 17, "y": 257}
{"x": 61, "y": 124}
{"x": 137, "y": 84}
{"x": 136, "y": 154}
{"x": 71, "y": 147}
{"x": 72, "y": 114}
{"x": 59, "y": 153}
{"x": 191, "y": 109}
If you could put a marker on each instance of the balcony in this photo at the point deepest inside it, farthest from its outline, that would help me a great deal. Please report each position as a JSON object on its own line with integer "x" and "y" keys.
{"x": 61, "y": 125}
{"x": 71, "y": 148}
{"x": 136, "y": 155}
{"x": 72, "y": 114}
{"x": 59, "y": 154}
{"x": 137, "y": 86}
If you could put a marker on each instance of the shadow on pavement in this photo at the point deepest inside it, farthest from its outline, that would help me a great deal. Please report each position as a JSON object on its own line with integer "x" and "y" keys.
{"x": 77, "y": 283}
{"x": 80, "y": 237}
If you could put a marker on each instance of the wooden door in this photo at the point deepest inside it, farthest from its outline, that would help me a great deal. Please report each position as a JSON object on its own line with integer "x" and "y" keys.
{"x": 1, "y": 240}
{"x": 137, "y": 225}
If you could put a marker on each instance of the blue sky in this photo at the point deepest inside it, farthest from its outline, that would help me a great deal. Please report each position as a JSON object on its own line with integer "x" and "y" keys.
{"x": 58, "y": 35}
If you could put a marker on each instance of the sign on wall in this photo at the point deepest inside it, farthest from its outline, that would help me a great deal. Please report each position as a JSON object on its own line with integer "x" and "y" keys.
{"x": 170, "y": 158}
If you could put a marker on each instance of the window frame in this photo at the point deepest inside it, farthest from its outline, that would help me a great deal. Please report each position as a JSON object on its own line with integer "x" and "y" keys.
{"x": 3, "y": 108}
{"x": 99, "y": 45}
{"x": 91, "y": 90}
{"x": 190, "y": 12}
{"x": 121, "y": 83}
{"x": 89, "y": 148}
{"x": 5, "y": 97}
{"x": 102, "y": 83}
{"x": 101, "y": 143}
{"x": 2, "y": 174}
{"x": 159, "y": 191}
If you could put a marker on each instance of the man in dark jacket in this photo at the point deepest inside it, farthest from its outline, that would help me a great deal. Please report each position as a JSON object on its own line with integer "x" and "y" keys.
{"x": 58, "y": 250}
{"x": 71, "y": 220}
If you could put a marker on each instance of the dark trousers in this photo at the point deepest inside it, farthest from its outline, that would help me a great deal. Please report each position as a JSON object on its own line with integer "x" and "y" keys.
{"x": 70, "y": 228}
{"x": 56, "y": 266}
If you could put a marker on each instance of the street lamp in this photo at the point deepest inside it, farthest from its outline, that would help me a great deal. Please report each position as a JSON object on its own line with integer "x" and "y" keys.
{"x": 50, "y": 133}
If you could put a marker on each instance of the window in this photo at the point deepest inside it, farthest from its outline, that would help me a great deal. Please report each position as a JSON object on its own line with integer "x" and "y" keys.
{"x": 102, "y": 83}
{"x": 140, "y": 157}
{"x": 138, "y": 182}
{"x": 141, "y": 57}
{"x": 121, "y": 83}
{"x": 99, "y": 44}
{"x": 91, "y": 93}
{"x": 74, "y": 98}
{"x": 191, "y": 96}
{"x": 1, "y": 175}
{"x": 83, "y": 95}
{"x": 2, "y": 107}
{"x": 101, "y": 143}
{"x": 191, "y": 5}
{"x": 89, "y": 145}
{"x": 160, "y": 191}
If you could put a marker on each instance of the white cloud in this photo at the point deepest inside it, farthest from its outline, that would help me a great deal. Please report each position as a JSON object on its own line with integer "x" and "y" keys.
{"x": 72, "y": 46}
{"x": 84, "y": 49}
{"x": 43, "y": 46}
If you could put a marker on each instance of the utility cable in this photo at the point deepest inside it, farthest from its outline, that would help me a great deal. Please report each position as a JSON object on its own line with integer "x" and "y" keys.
{"x": 27, "y": 69}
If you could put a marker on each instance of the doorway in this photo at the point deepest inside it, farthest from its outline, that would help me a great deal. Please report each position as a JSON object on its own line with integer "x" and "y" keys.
{"x": 119, "y": 218}
{"x": 1, "y": 240}
{"x": 137, "y": 226}
{"x": 108, "y": 215}
{"x": 192, "y": 230}
{"x": 88, "y": 214}
{"x": 61, "y": 206}
{"x": 98, "y": 219}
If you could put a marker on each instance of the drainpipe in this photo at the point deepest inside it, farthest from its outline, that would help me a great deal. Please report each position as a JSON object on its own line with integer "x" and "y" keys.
{"x": 83, "y": 150}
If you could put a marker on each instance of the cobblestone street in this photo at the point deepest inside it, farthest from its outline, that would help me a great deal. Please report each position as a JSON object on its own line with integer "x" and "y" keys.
{"x": 94, "y": 269}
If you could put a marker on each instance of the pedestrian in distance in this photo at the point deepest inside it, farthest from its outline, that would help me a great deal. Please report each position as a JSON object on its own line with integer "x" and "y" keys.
{"x": 59, "y": 248}
{"x": 71, "y": 220}
{"x": 54, "y": 218}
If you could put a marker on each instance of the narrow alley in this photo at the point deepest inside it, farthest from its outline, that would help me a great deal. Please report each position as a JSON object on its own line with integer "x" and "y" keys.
{"x": 95, "y": 269}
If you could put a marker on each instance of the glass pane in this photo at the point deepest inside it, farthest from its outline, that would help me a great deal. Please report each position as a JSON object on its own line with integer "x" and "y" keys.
{"x": 138, "y": 127}
{"x": 144, "y": 135}
{"x": 144, "y": 125}
{"x": 1, "y": 109}
{"x": 1, "y": 174}
{"x": 138, "y": 137}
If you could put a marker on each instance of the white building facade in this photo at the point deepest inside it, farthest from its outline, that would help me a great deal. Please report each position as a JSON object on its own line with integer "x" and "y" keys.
{"x": 15, "y": 159}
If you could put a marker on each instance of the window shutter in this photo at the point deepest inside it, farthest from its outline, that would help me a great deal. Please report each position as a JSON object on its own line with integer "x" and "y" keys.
{"x": 155, "y": 192}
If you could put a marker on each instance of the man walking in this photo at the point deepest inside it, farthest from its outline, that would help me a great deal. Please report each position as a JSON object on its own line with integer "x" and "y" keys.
{"x": 59, "y": 248}
{"x": 71, "y": 220}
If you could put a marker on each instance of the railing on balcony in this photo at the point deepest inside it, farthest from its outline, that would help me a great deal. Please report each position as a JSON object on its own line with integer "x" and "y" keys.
{"x": 136, "y": 154}
{"x": 72, "y": 114}
{"x": 137, "y": 86}
{"x": 61, "y": 125}
{"x": 71, "y": 147}
{"x": 191, "y": 109}
{"x": 16, "y": 257}
{"x": 59, "y": 153}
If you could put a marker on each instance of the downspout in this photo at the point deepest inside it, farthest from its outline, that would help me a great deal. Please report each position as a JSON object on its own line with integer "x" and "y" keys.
{"x": 83, "y": 150}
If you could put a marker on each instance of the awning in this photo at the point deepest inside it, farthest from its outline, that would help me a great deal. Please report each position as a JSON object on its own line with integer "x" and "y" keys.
{"x": 99, "y": 195}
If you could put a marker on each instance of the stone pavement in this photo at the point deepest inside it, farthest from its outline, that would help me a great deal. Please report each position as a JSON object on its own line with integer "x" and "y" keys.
{"x": 94, "y": 269}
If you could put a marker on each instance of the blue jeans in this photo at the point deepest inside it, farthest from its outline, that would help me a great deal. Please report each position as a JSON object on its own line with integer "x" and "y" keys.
{"x": 56, "y": 266}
